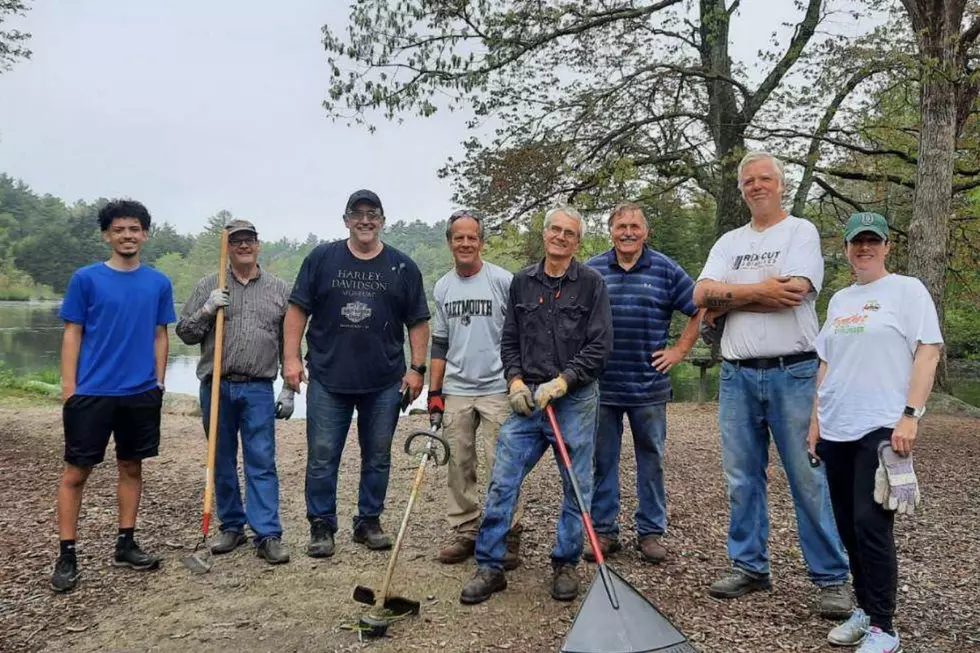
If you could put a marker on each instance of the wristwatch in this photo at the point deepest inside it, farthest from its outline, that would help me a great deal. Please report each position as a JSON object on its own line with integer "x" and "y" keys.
{"x": 418, "y": 368}
{"x": 914, "y": 413}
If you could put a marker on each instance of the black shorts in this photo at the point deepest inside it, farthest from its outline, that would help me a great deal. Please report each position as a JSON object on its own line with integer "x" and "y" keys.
{"x": 134, "y": 421}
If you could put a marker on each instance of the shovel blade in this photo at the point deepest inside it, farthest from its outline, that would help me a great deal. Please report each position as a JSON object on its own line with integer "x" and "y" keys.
{"x": 197, "y": 563}
{"x": 636, "y": 627}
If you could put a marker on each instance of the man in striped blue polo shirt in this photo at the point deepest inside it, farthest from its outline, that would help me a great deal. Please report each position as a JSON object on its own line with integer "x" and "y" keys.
{"x": 645, "y": 288}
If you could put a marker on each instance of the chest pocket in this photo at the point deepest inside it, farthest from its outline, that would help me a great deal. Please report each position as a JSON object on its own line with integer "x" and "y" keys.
{"x": 573, "y": 322}
{"x": 528, "y": 318}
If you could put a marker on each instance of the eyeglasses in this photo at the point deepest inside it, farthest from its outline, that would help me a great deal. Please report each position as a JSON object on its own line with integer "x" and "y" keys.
{"x": 369, "y": 214}
{"x": 235, "y": 242}
{"x": 556, "y": 231}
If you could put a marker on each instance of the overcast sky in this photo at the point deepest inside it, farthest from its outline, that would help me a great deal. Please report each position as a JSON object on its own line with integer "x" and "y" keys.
{"x": 193, "y": 107}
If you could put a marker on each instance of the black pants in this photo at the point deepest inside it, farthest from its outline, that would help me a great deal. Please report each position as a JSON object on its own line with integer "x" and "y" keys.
{"x": 864, "y": 526}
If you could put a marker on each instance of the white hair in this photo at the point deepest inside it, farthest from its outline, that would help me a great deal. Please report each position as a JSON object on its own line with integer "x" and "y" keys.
{"x": 571, "y": 212}
{"x": 758, "y": 155}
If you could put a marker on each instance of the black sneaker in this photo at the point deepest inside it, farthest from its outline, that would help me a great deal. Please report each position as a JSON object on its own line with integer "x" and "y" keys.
{"x": 66, "y": 574}
{"x": 272, "y": 551}
{"x": 737, "y": 583}
{"x": 321, "y": 539}
{"x": 130, "y": 555}
{"x": 228, "y": 541}
{"x": 369, "y": 534}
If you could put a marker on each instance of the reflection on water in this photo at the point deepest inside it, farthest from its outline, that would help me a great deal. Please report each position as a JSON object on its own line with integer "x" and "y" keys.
{"x": 30, "y": 341}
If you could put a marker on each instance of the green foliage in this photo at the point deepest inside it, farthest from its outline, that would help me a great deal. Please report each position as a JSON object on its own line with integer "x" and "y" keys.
{"x": 12, "y": 42}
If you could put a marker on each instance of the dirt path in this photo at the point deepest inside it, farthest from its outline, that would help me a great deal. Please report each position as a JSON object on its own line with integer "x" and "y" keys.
{"x": 246, "y": 606}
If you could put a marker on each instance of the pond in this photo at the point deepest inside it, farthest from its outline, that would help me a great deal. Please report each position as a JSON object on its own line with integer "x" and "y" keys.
{"x": 30, "y": 341}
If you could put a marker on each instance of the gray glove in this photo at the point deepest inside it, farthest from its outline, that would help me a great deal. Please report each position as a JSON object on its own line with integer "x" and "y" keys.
{"x": 712, "y": 334}
{"x": 217, "y": 299}
{"x": 896, "y": 487}
{"x": 285, "y": 403}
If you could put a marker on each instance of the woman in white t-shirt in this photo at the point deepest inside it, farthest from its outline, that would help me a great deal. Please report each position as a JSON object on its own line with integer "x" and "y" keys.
{"x": 878, "y": 353}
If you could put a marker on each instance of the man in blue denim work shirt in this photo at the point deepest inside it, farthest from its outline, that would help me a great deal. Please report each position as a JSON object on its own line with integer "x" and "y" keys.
{"x": 764, "y": 278}
{"x": 645, "y": 288}
{"x": 554, "y": 344}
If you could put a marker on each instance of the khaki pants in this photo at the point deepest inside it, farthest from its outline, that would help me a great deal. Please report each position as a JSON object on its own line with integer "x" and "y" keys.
{"x": 465, "y": 416}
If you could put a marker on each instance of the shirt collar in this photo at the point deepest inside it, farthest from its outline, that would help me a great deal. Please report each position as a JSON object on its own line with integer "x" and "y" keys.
{"x": 645, "y": 260}
{"x": 572, "y": 272}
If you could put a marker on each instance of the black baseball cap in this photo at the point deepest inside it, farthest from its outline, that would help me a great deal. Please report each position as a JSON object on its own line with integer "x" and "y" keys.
{"x": 363, "y": 195}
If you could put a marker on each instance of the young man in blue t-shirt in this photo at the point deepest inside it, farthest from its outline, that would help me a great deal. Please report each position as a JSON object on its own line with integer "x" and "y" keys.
{"x": 113, "y": 361}
{"x": 359, "y": 296}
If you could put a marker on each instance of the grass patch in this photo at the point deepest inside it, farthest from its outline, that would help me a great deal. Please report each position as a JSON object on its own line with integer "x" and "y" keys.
{"x": 40, "y": 385}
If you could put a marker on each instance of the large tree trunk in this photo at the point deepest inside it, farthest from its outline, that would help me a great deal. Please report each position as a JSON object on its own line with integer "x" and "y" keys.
{"x": 937, "y": 25}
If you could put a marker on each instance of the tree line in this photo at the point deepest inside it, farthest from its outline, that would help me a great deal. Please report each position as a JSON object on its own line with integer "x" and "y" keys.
{"x": 44, "y": 239}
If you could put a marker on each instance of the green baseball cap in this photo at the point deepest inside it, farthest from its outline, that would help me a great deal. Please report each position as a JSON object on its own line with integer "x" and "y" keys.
{"x": 866, "y": 221}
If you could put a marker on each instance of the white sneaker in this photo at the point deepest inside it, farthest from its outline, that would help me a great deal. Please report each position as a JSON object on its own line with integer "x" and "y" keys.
{"x": 879, "y": 641}
{"x": 852, "y": 631}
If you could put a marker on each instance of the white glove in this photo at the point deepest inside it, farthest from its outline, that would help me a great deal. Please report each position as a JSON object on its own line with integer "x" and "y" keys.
{"x": 217, "y": 299}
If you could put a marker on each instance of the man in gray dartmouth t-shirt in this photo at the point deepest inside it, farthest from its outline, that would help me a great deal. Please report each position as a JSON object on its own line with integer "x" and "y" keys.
{"x": 471, "y": 303}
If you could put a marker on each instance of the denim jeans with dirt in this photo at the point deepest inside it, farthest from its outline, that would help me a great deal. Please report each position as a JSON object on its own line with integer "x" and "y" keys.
{"x": 521, "y": 443}
{"x": 754, "y": 403}
{"x": 328, "y": 418}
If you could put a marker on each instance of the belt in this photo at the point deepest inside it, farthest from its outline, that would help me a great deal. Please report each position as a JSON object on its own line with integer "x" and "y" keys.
{"x": 242, "y": 378}
{"x": 775, "y": 361}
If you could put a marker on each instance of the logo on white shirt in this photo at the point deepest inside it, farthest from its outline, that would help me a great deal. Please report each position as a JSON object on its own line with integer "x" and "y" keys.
{"x": 756, "y": 261}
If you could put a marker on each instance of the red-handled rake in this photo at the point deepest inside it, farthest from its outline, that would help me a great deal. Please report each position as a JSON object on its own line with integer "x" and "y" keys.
{"x": 614, "y": 617}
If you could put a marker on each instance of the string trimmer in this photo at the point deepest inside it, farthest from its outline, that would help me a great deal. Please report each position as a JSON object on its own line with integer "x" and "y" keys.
{"x": 388, "y": 609}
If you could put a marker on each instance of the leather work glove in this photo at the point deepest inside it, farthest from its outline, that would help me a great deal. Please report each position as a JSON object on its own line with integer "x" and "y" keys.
{"x": 285, "y": 404}
{"x": 902, "y": 488}
{"x": 520, "y": 398}
{"x": 217, "y": 299}
{"x": 712, "y": 334}
{"x": 437, "y": 406}
{"x": 550, "y": 391}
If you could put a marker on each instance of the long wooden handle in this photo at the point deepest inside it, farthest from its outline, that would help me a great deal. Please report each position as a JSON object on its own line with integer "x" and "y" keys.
{"x": 219, "y": 341}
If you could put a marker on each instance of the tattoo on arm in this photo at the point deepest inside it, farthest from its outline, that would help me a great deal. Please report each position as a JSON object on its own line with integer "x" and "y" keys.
{"x": 714, "y": 299}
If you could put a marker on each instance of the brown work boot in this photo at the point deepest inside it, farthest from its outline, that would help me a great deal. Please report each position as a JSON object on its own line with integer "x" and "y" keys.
{"x": 608, "y": 546}
{"x": 564, "y": 582}
{"x": 512, "y": 557}
{"x": 651, "y": 548}
{"x": 457, "y": 551}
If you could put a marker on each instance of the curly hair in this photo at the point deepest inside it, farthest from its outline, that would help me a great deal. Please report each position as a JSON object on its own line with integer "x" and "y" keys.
{"x": 123, "y": 209}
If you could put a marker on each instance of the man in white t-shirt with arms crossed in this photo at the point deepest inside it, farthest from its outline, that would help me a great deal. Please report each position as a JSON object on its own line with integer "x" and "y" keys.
{"x": 471, "y": 304}
{"x": 764, "y": 278}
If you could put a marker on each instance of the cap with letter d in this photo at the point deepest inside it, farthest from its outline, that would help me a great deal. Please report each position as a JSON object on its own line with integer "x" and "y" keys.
{"x": 866, "y": 222}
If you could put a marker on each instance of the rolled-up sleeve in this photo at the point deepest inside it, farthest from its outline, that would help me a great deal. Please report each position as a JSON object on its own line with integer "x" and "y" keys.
{"x": 588, "y": 363}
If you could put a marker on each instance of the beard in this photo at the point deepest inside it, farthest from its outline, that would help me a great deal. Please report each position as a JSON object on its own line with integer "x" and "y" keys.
{"x": 131, "y": 254}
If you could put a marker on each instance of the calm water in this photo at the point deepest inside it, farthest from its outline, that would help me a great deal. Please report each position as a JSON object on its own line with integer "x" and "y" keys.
{"x": 30, "y": 341}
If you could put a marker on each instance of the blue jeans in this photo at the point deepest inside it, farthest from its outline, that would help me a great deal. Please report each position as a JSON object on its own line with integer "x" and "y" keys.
{"x": 249, "y": 409}
{"x": 521, "y": 443}
{"x": 752, "y": 404}
{"x": 328, "y": 418}
{"x": 649, "y": 427}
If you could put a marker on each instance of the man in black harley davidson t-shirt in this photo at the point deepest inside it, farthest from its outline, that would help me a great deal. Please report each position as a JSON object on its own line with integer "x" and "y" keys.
{"x": 359, "y": 296}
